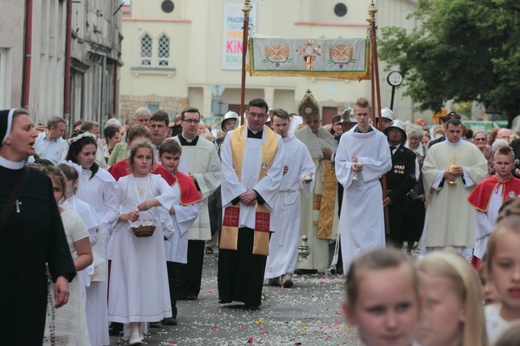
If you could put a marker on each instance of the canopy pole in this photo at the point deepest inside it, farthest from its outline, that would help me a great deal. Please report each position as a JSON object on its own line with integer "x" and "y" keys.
{"x": 246, "y": 8}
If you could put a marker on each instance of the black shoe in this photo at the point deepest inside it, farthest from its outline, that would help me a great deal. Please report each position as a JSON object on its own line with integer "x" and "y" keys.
{"x": 115, "y": 329}
{"x": 170, "y": 321}
{"x": 154, "y": 325}
{"x": 191, "y": 297}
{"x": 252, "y": 307}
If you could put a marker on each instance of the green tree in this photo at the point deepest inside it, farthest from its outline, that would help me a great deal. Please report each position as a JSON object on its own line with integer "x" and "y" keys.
{"x": 464, "y": 50}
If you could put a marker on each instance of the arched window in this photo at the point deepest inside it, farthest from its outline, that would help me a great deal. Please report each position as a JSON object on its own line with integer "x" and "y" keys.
{"x": 146, "y": 51}
{"x": 164, "y": 51}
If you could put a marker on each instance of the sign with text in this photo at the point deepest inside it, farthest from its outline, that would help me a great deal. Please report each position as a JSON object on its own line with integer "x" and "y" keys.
{"x": 232, "y": 35}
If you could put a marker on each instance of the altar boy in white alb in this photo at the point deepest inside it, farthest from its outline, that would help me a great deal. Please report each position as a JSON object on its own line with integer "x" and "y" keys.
{"x": 298, "y": 174}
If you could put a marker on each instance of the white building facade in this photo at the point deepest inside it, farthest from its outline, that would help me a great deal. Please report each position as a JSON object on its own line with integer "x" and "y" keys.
{"x": 180, "y": 52}
{"x": 35, "y": 58}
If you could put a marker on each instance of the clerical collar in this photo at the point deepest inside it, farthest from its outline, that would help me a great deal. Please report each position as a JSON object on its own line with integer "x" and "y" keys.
{"x": 370, "y": 129}
{"x": 11, "y": 164}
{"x": 254, "y": 134}
{"x": 188, "y": 142}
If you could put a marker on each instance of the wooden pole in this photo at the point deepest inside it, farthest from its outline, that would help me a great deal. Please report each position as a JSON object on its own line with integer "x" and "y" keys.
{"x": 376, "y": 93}
{"x": 246, "y": 9}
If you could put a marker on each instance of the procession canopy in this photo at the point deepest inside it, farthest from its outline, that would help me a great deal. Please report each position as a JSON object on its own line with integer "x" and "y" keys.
{"x": 347, "y": 58}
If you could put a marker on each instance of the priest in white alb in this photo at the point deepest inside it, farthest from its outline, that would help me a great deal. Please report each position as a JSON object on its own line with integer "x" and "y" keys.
{"x": 298, "y": 175}
{"x": 252, "y": 170}
{"x": 204, "y": 168}
{"x": 319, "y": 218}
{"x": 363, "y": 157}
{"x": 451, "y": 170}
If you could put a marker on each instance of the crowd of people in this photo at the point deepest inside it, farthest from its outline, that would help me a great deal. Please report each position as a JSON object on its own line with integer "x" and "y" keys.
{"x": 134, "y": 212}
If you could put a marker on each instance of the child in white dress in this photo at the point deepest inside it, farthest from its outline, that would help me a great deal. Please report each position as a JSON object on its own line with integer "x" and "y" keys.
{"x": 138, "y": 279}
{"x": 97, "y": 188}
{"x": 70, "y": 322}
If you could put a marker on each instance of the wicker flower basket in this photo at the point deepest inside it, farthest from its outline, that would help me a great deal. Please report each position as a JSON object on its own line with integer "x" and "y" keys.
{"x": 143, "y": 228}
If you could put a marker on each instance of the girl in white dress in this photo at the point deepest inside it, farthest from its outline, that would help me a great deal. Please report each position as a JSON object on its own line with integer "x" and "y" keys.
{"x": 97, "y": 188}
{"x": 139, "y": 281}
{"x": 383, "y": 297}
{"x": 70, "y": 324}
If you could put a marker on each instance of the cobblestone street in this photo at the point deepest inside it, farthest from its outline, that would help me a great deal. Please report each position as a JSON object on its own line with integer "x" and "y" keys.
{"x": 307, "y": 314}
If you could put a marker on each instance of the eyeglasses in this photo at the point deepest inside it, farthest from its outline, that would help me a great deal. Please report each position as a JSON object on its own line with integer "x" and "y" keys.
{"x": 192, "y": 121}
{"x": 479, "y": 139}
{"x": 259, "y": 115}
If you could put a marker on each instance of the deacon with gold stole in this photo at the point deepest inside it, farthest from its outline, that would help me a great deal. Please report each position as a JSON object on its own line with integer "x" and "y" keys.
{"x": 252, "y": 171}
{"x": 319, "y": 211}
{"x": 451, "y": 170}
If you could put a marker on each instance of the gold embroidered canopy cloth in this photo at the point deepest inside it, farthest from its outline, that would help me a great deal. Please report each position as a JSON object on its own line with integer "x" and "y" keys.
{"x": 331, "y": 58}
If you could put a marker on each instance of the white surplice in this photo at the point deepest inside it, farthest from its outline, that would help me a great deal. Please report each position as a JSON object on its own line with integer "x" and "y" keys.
{"x": 100, "y": 192}
{"x": 267, "y": 187}
{"x": 177, "y": 247}
{"x": 139, "y": 290}
{"x": 362, "y": 222}
{"x": 320, "y": 250}
{"x": 285, "y": 217}
{"x": 204, "y": 165}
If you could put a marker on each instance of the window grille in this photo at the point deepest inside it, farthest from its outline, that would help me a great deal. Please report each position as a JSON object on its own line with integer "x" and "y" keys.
{"x": 164, "y": 51}
{"x": 146, "y": 51}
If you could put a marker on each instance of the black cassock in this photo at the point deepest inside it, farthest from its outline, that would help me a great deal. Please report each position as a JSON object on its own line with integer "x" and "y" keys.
{"x": 31, "y": 237}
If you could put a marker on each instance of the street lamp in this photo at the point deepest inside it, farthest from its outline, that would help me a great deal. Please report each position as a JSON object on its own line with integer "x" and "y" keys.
{"x": 394, "y": 78}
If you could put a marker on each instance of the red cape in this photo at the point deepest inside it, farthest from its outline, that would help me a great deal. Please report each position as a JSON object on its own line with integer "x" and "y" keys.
{"x": 480, "y": 196}
{"x": 189, "y": 192}
{"x": 122, "y": 168}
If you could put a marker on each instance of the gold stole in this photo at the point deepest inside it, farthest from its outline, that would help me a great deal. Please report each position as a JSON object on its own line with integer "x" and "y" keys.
{"x": 326, "y": 201}
{"x": 230, "y": 219}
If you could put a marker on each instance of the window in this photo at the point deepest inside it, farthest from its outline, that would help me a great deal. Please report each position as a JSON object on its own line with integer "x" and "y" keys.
{"x": 164, "y": 51}
{"x": 340, "y": 9}
{"x": 5, "y": 79}
{"x": 146, "y": 51}
{"x": 167, "y": 6}
{"x": 152, "y": 107}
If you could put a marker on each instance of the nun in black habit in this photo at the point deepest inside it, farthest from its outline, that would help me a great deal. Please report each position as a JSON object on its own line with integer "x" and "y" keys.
{"x": 32, "y": 236}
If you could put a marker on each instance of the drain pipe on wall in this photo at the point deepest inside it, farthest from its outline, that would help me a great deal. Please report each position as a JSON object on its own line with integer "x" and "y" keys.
{"x": 27, "y": 54}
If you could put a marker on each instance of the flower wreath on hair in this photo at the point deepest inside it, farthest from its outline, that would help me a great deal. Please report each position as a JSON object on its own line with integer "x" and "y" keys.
{"x": 80, "y": 136}
{"x": 69, "y": 163}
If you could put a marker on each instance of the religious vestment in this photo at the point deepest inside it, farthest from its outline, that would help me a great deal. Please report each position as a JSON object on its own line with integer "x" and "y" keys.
{"x": 487, "y": 198}
{"x": 248, "y": 163}
{"x": 139, "y": 290}
{"x": 319, "y": 217}
{"x": 99, "y": 191}
{"x": 362, "y": 223}
{"x": 449, "y": 221}
{"x": 32, "y": 237}
{"x": 204, "y": 165}
{"x": 184, "y": 198}
{"x": 285, "y": 217}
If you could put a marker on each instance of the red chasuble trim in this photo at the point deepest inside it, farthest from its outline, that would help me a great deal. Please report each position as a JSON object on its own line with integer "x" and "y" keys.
{"x": 187, "y": 188}
{"x": 480, "y": 197}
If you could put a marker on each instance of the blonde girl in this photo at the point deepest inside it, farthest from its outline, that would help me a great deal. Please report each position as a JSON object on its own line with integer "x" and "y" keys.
{"x": 70, "y": 322}
{"x": 139, "y": 290}
{"x": 453, "y": 312}
{"x": 504, "y": 271}
{"x": 383, "y": 297}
